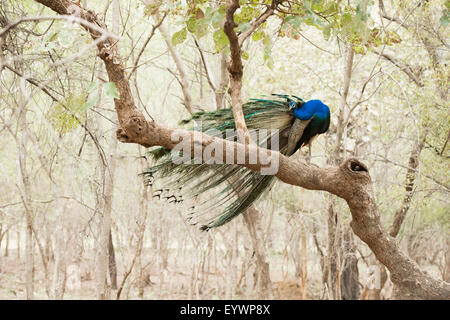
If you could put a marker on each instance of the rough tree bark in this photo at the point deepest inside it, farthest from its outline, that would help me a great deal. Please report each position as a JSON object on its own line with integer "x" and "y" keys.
{"x": 350, "y": 180}
{"x": 235, "y": 70}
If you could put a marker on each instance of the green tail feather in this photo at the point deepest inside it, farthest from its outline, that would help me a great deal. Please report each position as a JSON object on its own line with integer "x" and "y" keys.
{"x": 259, "y": 185}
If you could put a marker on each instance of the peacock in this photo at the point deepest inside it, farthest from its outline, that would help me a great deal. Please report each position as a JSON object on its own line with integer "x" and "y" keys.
{"x": 294, "y": 122}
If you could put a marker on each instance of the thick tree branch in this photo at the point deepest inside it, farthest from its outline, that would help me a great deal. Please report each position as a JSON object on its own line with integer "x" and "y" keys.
{"x": 235, "y": 69}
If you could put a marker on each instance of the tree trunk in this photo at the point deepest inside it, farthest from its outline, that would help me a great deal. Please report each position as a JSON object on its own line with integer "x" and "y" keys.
{"x": 60, "y": 266}
{"x": 376, "y": 278}
{"x": 332, "y": 264}
{"x": 143, "y": 212}
{"x": 104, "y": 207}
{"x": 59, "y": 277}
{"x": 263, "y": 284}
{"x": 410, "y": 180}
{"x": 350, "y": 289}
{"x": 18, "y": 245}
{"x": 446, "y": 273}
{"x": 336, "y": 266}
{"x": 301, "y": 270}
{"x": 24, "y": 187}
{"x": 108, "y": 168}
{"x": 107, "y": 173}
{"x": 112, "y": 263}
{"x": 7, "y": 244}
{"x": 221, "y": 89}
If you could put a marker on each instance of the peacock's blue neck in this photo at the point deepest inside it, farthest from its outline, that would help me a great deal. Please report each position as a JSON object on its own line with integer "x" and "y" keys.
{"x": 312, "y": 108}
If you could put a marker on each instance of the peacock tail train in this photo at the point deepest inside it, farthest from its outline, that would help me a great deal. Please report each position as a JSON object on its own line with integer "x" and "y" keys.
{"x": 240, "y": 187}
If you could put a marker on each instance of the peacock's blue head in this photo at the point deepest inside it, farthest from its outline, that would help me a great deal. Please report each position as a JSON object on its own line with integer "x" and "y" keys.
{"x": 312, "y": 108}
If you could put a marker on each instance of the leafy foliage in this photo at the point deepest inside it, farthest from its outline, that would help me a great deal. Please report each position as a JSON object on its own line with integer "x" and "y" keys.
{"x": 66, "y": 115}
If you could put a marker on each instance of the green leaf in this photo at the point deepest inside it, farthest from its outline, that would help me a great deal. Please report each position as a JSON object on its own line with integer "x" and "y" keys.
{"x": 444, "y": 20}
{"x": 199, "y": 27}
{"x": 65, "y": 38}
{"x": 246, "y": 15}
{"x": 220, "y": 40}
{"x": 331, "y": 8}
{"x": 257, "y": 35}
{"x": 218, "y": 16}
{"x": 294, "y": 20}
{"x": 53, "y": 37}
{"x": 192, "y": 24}
{"x": 90, "y": 102}
{"x": 179, "y": 36}
{"x": 244, "y": 26}
{"x": 209, "y": 12}
{"x": 111, "y": 90}
{"x": 268, "y": 51}
{"x": 92, "y": 86}
{"x": 326, "y": 32}
{"x": 65, "y": 113}
{"x": 245, "y": 55}
{"x": 346, "y": 19}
